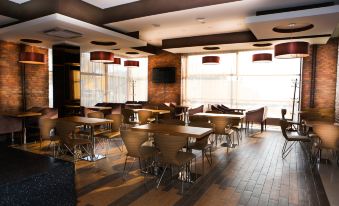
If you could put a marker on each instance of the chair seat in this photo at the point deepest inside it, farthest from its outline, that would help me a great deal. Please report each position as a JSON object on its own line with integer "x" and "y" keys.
{"x": 197, "y": 146}
{"x": 148, "y": 151}
{"x": 184, "y": 157}
{"x": 299, "y": 138}
{"x": 96, "y": 132}
{"x": 110, "y": 135}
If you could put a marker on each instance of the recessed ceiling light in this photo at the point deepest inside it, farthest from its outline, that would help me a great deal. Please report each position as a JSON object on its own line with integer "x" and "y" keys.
{"x": 210, "y": 48}
{"x": 201, "y": 20}
{"x": 293, "y": 27}
{"x": 156, "y": 25}
{"x": 104, "y": 43}
{"x": 132, "y": 53}
{"x": 32, "y": 41}
{"x": 116, "y": 49}
{"x": 19, "y": 1}
{"x": 63, "y": 33}
{"x": 262, "y": 44}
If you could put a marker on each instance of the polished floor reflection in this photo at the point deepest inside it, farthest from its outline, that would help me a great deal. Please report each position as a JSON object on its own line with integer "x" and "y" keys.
{"x": 251, "y": 174}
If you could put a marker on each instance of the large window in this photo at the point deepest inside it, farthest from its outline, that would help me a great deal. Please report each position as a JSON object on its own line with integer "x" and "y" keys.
{"x": 237, "y": 82}
{"x": 112, "y": 82}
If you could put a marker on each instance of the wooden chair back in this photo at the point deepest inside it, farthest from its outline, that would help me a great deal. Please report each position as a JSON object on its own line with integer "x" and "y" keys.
{"x": 45, "y": 126}
{"x": 144, "y": 116}
{"x": 328, "y": 134}
{"x": 98, "y": 114}
{"x": 169, "y": 146}
{"x": 133, "y": 141}
{"x": 115, "y": 126}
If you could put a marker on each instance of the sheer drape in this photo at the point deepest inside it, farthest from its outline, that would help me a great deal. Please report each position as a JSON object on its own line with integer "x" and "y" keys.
{"x": 92, "y": 81}
{"x": 239, "y": 83}
{"x": 111, "y": 82}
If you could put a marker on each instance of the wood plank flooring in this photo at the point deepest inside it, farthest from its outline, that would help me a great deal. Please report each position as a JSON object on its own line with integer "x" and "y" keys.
{"x": 251, "y": 174}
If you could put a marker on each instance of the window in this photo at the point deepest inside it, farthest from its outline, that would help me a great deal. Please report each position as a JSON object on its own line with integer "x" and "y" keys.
{"x": 112, "y": 82}
{"x": 237, "y": 82}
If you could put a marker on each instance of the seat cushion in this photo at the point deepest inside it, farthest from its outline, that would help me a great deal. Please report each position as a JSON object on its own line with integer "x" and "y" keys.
{"x": 110, "y": 135}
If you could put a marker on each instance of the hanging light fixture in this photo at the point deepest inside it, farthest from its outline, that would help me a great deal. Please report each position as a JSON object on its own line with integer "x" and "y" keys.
{"x": 31, "y": 58}
{"x": 102, "y": 56}
{"x": 131, "y": 63}
{"x": 262, "y": 57}
{"x": 116, "y": 61}
{"x": 291, "y": 50}
{"x": 210, "y": 60}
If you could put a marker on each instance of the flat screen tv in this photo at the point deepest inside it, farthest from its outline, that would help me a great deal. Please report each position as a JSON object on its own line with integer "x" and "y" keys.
{"x": 163, "y": 75}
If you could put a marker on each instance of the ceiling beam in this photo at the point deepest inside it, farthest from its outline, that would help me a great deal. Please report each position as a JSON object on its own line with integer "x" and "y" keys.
{"x": 214, "y": 39}
{"x": 152, "y": 7}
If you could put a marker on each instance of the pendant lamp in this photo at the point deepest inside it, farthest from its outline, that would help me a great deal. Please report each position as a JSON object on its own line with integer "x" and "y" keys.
{"x": 102, "y": 56}
{"x": 31, "y": 58}
{"x": 262, "y": 57}
{"x": 291, "y": 50}
{"x": 210, "y": 60}
{"x": 131, "y": 63}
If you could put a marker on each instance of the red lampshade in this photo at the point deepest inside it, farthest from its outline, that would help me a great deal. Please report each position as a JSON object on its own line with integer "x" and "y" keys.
{"x": 291, "y": 50}
{"x": 102, "y": 56}
{"x": 31, "y": 58}
{"x": 262, "y": 57}
{"x": 117, "y": 61}
{"x": 210, "y": 60}
{"x": 131, "y": 63}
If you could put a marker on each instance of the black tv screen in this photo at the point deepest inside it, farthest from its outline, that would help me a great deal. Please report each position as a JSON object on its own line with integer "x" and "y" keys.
{"x": 163, "y": 75}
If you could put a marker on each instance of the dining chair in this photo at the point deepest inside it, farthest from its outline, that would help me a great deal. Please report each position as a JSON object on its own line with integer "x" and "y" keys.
{"x": 113, "y": 132}
{"x": 236, "y": 126}
{"x": 202, "y": 144}
{"x": 145, "y": 116}
{"x": 291, "y": 137}
{"x": 46, "y": 126}
{"x": 293, "y": 124}
{"x": 128, "y": 118}
{"x": 222, "y": 128}
{"x": 98, "y": 114}
{"x": 328, "y": 139}
{"x": 170, "y": 154}
{"x": 66, "y": 132}
{"x": 134, "y": 141}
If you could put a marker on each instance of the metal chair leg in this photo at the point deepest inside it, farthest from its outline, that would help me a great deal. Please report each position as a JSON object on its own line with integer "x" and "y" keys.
{"x": 162, "y": 175}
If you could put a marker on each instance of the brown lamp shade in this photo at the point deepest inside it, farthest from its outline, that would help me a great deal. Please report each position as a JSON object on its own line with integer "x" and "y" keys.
{"x": 131, "y": 63}
{"x": 262, "y": 57}
{"x": 117, "y": 61}
{"x": 102, "y": 56}
{"x": 31, "y": 58}
{"x": 210, "y": 60}
{"x": 291, "y": 50}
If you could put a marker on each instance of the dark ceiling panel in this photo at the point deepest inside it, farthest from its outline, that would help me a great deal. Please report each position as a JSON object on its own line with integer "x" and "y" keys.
{"x": 214, "y": 39}
{"x": 151, "y": 7}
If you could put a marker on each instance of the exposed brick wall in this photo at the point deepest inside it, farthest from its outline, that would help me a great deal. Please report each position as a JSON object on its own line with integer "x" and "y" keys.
{"x": 159, "y": 93}
{"x": 326, "y": 77}
{"x": 10, "y": 79}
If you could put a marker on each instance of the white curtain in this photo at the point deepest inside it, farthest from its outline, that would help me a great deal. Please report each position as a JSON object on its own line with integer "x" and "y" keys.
{"x": 112, "y": 82}
{"x": 92, "y": 81}
{"x": 237, "y": 82}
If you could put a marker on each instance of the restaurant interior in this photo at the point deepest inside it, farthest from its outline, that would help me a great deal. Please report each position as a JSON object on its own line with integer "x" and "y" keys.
{"x": 155, "y": 102}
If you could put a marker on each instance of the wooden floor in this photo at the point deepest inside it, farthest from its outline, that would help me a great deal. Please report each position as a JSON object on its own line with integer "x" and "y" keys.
{"x": 252, "y": 174}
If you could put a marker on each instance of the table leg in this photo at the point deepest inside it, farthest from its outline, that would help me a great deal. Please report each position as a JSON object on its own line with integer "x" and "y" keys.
{"x": 93, "y": 157}
{"x": 24, "y": 135}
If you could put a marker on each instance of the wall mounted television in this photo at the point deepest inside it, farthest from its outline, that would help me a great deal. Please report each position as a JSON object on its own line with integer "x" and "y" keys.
{"x": 163, "y": 75}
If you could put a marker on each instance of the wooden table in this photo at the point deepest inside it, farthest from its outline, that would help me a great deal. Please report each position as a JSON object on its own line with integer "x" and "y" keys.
{"x": 91, "y": 122}
{"x": 230, "y": 116}
{"x": 23, "y": 116}
{"x": 187, "y": 131}
{"x": 156, "y": 112}
{"x": 98, "y": 108}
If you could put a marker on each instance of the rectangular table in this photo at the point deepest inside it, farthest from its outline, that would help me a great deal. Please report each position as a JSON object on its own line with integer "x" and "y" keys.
{"x": 231, "y": 116}
{"x": 156, "y": 112}
{"x": 187, "y": 131}
{"x": 91, "y": 122}
{"x": 23, "y": 116}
